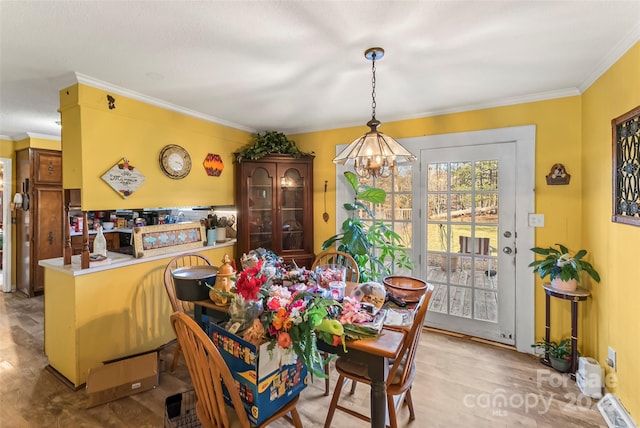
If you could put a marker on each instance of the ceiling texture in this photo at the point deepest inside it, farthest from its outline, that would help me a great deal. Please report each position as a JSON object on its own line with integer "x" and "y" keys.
{"x": 298, "y": 66}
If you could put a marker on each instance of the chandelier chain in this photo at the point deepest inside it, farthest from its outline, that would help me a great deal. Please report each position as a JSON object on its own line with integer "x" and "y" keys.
{"x": 373, "y": 85}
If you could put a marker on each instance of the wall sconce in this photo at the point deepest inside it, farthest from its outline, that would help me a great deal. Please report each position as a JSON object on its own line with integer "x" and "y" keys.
{"x": 17, "y": 202}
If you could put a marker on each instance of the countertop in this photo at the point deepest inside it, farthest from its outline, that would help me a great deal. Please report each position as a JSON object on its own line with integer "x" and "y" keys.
{"x": 93, "y": 231}
{"x": 118, "y": 260}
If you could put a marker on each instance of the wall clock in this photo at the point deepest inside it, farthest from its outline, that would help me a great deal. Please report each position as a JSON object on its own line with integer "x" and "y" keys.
{"x": 175, "y": 161}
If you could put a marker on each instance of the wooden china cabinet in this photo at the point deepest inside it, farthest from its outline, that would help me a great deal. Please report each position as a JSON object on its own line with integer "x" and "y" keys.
{"x": 39, "y": 224}
{"x": 275, "y": 206}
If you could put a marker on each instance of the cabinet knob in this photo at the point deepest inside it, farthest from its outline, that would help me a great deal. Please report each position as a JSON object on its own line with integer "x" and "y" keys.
{"x": 50, "y": 238}
{"x": 50, "y": 168}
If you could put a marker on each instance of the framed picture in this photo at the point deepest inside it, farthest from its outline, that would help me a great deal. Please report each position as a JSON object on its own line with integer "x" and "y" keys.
{"x": 626, "y": 168}
{"x": 168, "y": 238}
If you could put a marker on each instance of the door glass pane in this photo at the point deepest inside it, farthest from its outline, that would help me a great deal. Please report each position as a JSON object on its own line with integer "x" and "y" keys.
{"x": 260, "y": 208}
{"x": 292, "y": 204}
{"x": 462, "y": 238}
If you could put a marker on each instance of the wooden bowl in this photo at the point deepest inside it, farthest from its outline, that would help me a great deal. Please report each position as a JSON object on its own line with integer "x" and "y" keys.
{"x": 406, "y": 288}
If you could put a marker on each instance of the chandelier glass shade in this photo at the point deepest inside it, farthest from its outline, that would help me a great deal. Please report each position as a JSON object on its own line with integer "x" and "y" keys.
{"x": 374, "y": 154}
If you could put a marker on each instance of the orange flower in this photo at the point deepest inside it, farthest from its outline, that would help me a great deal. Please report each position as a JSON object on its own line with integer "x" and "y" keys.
{"x": 279, "y": 318}
{"x": 284, "y": 340}
{"x": 286, "y": 325}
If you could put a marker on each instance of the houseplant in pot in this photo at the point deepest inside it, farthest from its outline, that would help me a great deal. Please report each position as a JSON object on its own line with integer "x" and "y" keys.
{"x": 374, "y": 245}
{"x": 559, "y": 353}
{"x": 562, "y": 268}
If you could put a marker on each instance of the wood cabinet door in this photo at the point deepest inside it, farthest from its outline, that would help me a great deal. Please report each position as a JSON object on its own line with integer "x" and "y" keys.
{"x": 275, "y": 207}
{"x": 47, "y": 167}
{"x": 48, "y": 236}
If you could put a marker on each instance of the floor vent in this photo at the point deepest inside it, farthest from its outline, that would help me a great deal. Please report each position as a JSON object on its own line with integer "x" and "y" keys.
{"x": 614, "y": 413}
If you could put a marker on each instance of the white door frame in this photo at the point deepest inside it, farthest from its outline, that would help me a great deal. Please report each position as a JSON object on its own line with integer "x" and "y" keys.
{"x": 7, "y": 223}
{"x": 525, "y": 139}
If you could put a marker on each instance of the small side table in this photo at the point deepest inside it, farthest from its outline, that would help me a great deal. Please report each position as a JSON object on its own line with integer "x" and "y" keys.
{"x": 574, "y": 296}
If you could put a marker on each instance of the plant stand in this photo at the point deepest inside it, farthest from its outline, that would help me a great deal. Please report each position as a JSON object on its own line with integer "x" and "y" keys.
{"x": 576, "y": 296}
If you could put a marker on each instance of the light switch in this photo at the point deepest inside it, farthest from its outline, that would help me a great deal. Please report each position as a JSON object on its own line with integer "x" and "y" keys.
{"x": 536, "y": 220}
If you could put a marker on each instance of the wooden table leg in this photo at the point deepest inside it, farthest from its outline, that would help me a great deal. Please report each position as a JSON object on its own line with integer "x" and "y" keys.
{"x": 378, "y": 369}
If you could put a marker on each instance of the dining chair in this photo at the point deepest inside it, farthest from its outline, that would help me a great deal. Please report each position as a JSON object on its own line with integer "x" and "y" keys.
{"x": 334, "y": 257}
{"x": 177, "y": 305}
{"x": 209, "y": 373}
{"x": 401, "y": 371}
{"x": 353, "y": 274}
{"x": 479, "y": 247}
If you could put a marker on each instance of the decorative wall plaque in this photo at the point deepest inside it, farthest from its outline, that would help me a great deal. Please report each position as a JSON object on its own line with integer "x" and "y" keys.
{"x": 626, "y": 168}
{"x": 168, "y": 238}
{"x": 124, "y": 178}
{"x": 213, "y": 165}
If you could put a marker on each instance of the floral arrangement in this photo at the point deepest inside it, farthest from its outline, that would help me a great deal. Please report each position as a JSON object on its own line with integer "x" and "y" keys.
{"x": 294, "y": 314}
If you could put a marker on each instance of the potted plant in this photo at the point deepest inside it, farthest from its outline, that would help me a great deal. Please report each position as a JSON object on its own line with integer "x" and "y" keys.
{"x": 268, "y": 143}
{"x": 562, "y": 267}
{"x": 375, "y": 247}
{"x": 559, "y": 353}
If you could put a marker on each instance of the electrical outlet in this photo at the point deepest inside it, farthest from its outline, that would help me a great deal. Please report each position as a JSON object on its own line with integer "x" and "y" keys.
{"x": 611, "y": 358}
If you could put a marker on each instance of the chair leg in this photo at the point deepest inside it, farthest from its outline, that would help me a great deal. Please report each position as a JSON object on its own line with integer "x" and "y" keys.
{"x": 353, "y": 387}
{"x": 391, "y": 410}
{"x": 326, "y": 372}
{"x": 409, "y": 401}
{"x": 176, "y": 357}
{"x": 334, "y": 402}
{"x": 295, "y": 418}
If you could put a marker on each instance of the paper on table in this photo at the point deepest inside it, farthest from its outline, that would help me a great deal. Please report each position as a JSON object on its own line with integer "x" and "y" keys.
{"x": 399, "y": 318}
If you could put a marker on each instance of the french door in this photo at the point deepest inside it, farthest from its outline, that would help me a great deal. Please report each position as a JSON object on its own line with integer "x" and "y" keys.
{"x": 467, "y": 197}
{"x": 459, "y": 209}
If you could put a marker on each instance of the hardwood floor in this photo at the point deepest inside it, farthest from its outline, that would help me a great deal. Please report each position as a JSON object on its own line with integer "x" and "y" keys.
{"x": 460, "y": 383}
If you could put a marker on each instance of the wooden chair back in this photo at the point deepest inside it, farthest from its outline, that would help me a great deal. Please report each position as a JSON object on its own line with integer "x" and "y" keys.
{"x": 188, "y": 259}
{"x": 477, "y": 246}
{"x": 410, "y": 346}
{"x": 208, "y": 372}
{"x": 338, "y": 258}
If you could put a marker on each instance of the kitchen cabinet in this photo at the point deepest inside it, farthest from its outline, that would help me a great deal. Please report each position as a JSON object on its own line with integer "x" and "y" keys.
{"x": 275, "y": 206}
{"x": 39, "y": 223}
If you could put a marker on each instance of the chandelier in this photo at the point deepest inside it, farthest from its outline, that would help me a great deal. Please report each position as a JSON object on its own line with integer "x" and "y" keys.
{"x": 374, "y": 154}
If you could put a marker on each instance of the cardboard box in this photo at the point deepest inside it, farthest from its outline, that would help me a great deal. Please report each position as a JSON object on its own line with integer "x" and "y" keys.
{"x": 266, "y": 380}
{"x": 122, "y": 378}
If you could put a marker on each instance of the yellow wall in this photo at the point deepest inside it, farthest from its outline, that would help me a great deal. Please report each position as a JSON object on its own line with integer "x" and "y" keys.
{"x": 95, "y": 138}
{"x": 612, "y": 313}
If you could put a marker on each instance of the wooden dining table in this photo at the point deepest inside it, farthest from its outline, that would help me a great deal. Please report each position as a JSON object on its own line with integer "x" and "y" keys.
{"x": 375, "y": 353}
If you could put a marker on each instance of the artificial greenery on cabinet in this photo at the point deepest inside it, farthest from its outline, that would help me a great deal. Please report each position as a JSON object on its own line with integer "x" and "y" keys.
{"x": 271, "y": 142}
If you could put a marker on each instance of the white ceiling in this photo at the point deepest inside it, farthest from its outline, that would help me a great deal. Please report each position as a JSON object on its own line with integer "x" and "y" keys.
{"x": 295, "y": 66}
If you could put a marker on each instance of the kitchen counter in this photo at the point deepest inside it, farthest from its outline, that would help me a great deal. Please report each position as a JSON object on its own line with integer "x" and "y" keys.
{"x": 119, "y": 260}
{"x": 93, "y": 231}
{"x": 109, "y": 311}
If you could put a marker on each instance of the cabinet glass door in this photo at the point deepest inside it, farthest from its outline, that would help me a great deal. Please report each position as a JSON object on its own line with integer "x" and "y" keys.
{"x": 260, "y": 185}
{"x": 292, "y": 202}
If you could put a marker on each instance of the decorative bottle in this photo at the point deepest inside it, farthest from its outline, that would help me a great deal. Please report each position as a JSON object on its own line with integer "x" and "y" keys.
{"x": 100, "y": 244}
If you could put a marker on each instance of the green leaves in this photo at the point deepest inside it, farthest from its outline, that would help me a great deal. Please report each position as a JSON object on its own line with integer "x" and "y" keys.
{"x": 558, "y": 263}
{"x": 268, "y": 143}
{"x": 375, "y": 246}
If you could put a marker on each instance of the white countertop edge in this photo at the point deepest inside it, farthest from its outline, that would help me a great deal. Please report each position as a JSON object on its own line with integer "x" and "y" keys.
{"x": 94, "y": 231}
{"x": 117, "y": 260}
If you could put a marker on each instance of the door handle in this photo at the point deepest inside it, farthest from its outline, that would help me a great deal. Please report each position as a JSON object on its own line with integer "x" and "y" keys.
{"x": 507, "y": 250}
{"x": 50, "y": 238}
